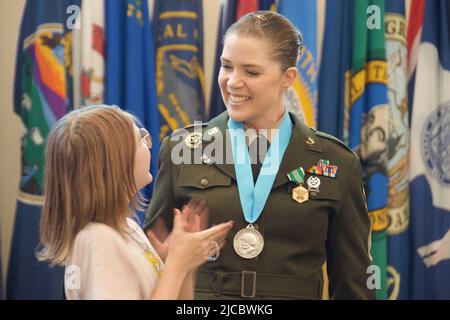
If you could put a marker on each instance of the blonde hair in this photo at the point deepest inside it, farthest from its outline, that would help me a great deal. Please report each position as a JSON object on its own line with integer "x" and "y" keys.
{"x": 89, "y": 177}
{"x": 284, "y": 38}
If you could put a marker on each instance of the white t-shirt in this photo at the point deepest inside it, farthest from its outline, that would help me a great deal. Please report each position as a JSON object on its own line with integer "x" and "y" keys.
{"x": 105, "y": 264}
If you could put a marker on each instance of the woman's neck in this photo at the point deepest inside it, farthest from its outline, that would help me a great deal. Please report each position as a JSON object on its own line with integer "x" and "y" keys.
{"x": 267, "y": 123}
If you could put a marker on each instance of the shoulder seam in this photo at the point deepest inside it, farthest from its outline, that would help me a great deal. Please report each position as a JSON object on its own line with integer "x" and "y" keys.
{"x": 203, "y": 124}
{"x": 189, "y": 127}
{"x": 334, "y": 139}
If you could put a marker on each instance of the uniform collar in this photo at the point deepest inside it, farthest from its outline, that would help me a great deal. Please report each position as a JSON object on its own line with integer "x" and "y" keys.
{"x": 252, "y": 134}
{"x": 304, "y": 149}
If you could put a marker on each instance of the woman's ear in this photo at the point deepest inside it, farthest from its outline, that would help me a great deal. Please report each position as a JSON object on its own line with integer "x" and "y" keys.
{"x": 289, "y": 77}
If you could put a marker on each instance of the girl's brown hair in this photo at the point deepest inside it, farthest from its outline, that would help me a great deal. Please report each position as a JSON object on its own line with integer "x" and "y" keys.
{"x": 88, "y": 177}
{"x": 282, "y": 35}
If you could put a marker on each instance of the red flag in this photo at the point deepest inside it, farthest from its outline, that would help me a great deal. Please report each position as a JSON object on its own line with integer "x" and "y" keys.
{"x": 414, "y": 32}
{"x": 246, "y": 6}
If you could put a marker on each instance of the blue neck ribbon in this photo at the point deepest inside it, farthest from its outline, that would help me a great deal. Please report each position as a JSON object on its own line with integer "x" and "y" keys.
{"x": 254, "y": 196}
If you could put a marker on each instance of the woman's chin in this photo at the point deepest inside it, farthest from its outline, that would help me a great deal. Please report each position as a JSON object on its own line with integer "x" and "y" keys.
{"x": 237, "y": 114}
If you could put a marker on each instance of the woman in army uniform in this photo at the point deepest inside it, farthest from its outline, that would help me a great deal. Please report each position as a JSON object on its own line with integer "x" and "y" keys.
{"x": 298, "y": 205}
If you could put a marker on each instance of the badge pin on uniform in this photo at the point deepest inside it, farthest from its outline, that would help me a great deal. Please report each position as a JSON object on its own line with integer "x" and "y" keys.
{"x": 193, "y": 140}
{"x": 210, "y": 133}
{"x": 213, "y": 131}
{"x": 207, "y": 160}
{"x": 299, "y": 193}
{"x": 313, "y": 183}
{"x": 310, "y": 141}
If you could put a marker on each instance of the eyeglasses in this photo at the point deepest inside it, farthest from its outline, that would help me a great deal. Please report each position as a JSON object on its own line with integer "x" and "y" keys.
{"x": 146, "y": 137}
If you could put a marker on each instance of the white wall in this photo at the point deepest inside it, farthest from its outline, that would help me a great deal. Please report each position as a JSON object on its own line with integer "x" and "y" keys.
{"x": 10, "y": 126}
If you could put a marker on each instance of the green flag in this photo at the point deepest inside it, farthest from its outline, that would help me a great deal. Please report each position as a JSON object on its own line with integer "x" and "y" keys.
{"x": 367, "y": 123}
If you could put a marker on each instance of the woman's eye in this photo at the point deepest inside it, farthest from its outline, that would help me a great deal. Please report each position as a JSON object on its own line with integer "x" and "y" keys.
{"x": 252, "y": 73}
{"x": 225, "y": 66}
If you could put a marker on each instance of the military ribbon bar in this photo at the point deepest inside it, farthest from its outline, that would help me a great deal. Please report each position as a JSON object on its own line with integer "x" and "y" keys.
{"x": 323, "y": 168}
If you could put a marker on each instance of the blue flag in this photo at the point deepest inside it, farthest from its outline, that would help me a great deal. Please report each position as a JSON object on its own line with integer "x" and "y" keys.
{"x": 301, "y": 98}
{"x": 267, "y": 5}
{"x": 42, "y": 95}
{"x": 335, "y": 68}
{"x": 179, "y": 63}
{"x": 398, "y": 154}
{"x": 130, "y": 70}
{"x": 430, "y": 165}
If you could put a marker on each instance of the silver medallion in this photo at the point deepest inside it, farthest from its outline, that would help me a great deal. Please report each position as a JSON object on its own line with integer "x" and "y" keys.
{"x": 248, "y": 243}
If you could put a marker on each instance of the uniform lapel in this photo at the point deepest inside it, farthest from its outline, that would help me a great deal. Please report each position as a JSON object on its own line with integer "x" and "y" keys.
{"x": 303, "y": 151}
{"x": 221, "y": 122}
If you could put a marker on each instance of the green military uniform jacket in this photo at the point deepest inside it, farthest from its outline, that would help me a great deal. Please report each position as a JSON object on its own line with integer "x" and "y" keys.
{"x": 299, "y": 238}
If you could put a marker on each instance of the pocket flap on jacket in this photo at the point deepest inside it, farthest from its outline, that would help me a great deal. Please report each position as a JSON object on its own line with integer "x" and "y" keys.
{"x": 202, "y": 177}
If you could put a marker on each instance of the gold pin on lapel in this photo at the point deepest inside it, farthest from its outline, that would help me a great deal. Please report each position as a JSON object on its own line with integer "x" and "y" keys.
{"x": 310, "y": 141}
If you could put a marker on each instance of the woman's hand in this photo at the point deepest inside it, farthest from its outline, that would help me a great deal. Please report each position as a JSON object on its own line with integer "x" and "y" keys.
{"x": 185, "y": 248}
{"x": 188, "y": 250}
{"x": 196, "y": 215}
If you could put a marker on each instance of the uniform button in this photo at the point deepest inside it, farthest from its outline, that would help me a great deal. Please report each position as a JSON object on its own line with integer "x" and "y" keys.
{"x": 204, "y": 182}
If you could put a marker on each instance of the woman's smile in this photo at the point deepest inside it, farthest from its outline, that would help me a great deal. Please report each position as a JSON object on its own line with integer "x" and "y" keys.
{"x": 236, "y": 100}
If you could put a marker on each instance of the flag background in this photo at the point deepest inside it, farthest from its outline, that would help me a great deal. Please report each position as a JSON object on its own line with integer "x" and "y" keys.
{"x": 335, "y": 68}
{"x": 429, "y": 169}
{"x": 368, "y": 123}
{"x": 301, "y": 99}
{"x": 42, "y": 95}
{"x": 227, "y": 16}
{"x": 130, "y": 73}
{"x": 398, "y": 151}
{"x": 92, "y": 52}
{"x": 180, "y": 76}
